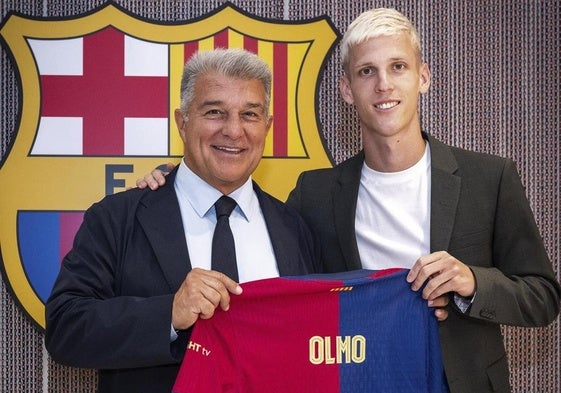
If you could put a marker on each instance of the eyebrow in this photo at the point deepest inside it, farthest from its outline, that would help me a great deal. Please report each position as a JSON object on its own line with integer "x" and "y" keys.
{"x": 211, "y": 103}
{"x": 390, "y": 60}
{"x": 257, "y": 105}
{"x": 249, "y": 105}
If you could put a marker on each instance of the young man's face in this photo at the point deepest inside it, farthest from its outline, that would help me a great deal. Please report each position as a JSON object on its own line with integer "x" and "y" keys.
{"x": 384, "y": 81}
{"x": 225, "y": 129}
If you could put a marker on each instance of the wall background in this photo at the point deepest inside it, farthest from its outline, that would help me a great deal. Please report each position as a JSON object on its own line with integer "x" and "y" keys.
{"x": 495, "y": 88}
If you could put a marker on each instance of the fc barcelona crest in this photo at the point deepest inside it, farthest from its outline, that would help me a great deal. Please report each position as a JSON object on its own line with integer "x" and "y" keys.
{"x": 97, "y": 95}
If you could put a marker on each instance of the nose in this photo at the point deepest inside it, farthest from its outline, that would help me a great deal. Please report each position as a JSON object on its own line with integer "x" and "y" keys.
{"x": 233, "y": 127}
{"x": 383, "y": 82}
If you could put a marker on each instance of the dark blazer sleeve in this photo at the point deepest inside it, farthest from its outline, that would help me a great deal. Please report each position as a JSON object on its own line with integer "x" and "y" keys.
{"x": 481, "y": 216}
{"x": 111, "y": 304}
{"x": 519, "y": 287}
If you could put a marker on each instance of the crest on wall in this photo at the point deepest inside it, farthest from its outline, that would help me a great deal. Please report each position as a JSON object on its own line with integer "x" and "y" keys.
{"x": 97, "y": 95}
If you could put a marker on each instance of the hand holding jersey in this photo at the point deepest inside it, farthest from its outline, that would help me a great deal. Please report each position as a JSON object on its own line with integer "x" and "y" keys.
{"x": 200, "y": 294}
{"x": 442, "y": 274}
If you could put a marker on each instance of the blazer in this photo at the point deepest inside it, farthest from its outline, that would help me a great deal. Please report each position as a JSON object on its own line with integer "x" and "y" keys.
{"x": 110, "y": 307}
{"x": 481, "y": 216}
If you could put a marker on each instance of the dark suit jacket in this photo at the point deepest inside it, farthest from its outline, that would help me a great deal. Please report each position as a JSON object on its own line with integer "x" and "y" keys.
{"x": 110, "y": 308}
{"x": 480, "y": 215}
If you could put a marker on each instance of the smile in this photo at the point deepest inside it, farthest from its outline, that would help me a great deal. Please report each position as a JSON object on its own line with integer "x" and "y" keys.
{"x": 226, "y": 149}
{"x": 387, "y": 105}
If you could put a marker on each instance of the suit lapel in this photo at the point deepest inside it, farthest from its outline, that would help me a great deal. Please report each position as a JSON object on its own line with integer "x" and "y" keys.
{"x": 286, "y": 254}
{"x": 445, "y": 193}
{"x": 160, "y": 217}
{"x": 344, "y": 209}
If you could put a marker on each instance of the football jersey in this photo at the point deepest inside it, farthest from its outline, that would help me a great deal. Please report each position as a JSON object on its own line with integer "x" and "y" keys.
{"x": 360, "y": 331}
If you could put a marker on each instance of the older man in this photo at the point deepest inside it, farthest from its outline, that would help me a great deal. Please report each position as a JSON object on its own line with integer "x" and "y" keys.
{"x": 141, "y": 271}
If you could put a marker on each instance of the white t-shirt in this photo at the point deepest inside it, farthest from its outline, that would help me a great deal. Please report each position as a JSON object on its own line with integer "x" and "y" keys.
{"x": 393, "y": 215}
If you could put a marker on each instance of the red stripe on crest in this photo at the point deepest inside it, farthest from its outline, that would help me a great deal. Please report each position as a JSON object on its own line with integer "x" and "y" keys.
{"x": 189, "y": 49}
{"x": 221, "y": 39}
{"x": 280, "y": 84}
{"x": 250, "y": 44}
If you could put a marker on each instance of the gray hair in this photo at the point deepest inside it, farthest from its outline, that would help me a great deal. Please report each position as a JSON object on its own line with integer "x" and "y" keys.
{"x": 374, "y": 23}
{"x": 234, "y": 63}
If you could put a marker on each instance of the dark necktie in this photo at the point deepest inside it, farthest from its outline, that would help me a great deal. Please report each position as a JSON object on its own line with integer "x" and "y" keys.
{"x": 223, "y": 249}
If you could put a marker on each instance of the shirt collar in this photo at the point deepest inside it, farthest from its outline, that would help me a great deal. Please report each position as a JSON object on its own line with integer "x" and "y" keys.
{"x": 201, "y": 195}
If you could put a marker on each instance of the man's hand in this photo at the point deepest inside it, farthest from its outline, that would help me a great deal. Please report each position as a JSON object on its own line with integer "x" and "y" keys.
{"x": 442, "y": 274}
{"x": 156, "y": 178}
{"x": 439, "y": 305}
{"x": 200, "y": 294}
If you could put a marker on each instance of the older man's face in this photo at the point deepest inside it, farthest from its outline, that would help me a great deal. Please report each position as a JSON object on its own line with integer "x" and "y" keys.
{"x": 225, "y": 129}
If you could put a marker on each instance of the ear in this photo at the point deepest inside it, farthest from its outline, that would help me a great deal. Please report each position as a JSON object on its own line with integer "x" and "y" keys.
{"x": 345, "y": 89}
{"x": 180, "y": 122}
{"x": 424, "y": 78}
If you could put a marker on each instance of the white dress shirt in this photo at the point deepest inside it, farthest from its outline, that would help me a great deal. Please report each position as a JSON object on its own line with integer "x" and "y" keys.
{"x": 254, "y": 250}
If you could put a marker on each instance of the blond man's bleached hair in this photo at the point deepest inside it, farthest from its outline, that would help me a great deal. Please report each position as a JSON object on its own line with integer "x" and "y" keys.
{"x": 374, "y": 23}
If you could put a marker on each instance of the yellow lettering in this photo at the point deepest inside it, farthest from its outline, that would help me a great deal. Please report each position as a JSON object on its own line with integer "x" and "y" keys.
{"x": 358, "y": 352}
{"x": 347, "y": 349}
{"x": 194, "y": 346}
{"x": 329, "y": 359}
{"x": 343, "y": 348}
{"x": 316, "y": 350}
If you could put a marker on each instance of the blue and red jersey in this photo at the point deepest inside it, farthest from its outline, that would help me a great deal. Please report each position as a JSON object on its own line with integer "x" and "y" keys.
{"x": 360, "y": 331}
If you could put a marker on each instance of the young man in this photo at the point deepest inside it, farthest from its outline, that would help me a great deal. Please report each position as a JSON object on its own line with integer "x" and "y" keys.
{"x": 139, "y": 274}
{"x": 459, "y": 220}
